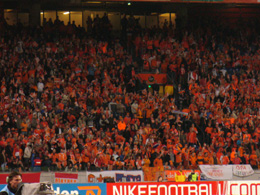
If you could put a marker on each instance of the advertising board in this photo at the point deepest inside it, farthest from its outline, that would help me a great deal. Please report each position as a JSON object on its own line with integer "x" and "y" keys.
{"x": 167, "y": 188}
{"x": 251, "y": 187}
{"x": 81, "y": 189}
{"x": 243, "y": 187}
{"x": 27, "y": 178}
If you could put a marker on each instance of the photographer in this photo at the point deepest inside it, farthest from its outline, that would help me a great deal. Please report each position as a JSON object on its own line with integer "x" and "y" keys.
{"x": 12, "y": 183}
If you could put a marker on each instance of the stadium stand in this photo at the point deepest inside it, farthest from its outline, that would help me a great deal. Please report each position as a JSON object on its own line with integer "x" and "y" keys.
{"x": 72, "y": 100}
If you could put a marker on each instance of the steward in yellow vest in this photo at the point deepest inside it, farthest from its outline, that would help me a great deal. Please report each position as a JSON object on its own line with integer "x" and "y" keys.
{"x": 180, "y": 176}
{"x": 193, "y": 176}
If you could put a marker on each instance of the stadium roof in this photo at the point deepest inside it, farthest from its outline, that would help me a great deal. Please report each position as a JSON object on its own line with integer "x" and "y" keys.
{"x": 137, "y": 6}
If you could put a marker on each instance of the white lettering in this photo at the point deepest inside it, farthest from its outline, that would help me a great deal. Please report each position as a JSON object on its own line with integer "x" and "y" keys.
{"x": 243, "y": 191}
{"x": 57, "y": 191}
{"x": 125, "y": 190}
{"x": 74, "y": 192}
{"x": 219, "y": 189}
{"x": 150, "y": 191}
{"x": 203, "y": 188}
{"x": 171, "y": 175}
{"x": 130, "y": 190}
{"x": 115, "y": 190}
{"x": 239, "y": 188}
{"x": 254, "y": 188}
{"x": 140, "y": 190}
{"x": 233, "y": 191}
{"x": 195, "y": 191}
{"x": 182, "y": 188}
{"x": 176, "y": 189}
{"x": 65, "y": 192}
{"x": 159, "y": 189}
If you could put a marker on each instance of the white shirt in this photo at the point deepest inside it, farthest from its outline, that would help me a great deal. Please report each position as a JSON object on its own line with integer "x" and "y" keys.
{"x": 40, "y": 87}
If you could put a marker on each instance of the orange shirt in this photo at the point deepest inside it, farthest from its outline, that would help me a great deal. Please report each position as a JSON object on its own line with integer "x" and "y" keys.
{"x": 72, "y": 158}
{"x": 119, "y": 139}
{"x": 225, "y": 160}
{"x": 62, "y": 157}
{"x": 192, "y": 137}
{"x": 209, "y": 130}
{"x": 253, "y": 159}
{"x": 200, "y": 160}
{"x": 106, "y": 159}
{"x": 246, "y": 138}
{"x": 179, "y": 158}
{"x": 85, "y": 158}
{"x": 54, "y": 157}
{"x": 24, "y": 127}
{"x": 121, "y": 126}
{"x": 158, "y": 162}
{"x": 193, "y": 160}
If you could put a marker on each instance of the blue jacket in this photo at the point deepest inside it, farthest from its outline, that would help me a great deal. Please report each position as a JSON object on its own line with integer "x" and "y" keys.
{"x": 5, "y": 189}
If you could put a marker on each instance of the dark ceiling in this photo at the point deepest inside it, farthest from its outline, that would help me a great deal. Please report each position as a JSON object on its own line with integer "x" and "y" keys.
{"x": 123, "y": 7}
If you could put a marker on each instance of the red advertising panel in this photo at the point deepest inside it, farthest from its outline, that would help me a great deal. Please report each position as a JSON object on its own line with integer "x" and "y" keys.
{"x": 167, "y": 188}
{"x": 66, "y": 177}
{"x": 27, "y": 178}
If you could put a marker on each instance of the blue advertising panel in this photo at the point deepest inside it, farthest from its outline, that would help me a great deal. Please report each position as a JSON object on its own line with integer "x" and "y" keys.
{"x": 81, "y": 189}
{"x": 2, "y": 186}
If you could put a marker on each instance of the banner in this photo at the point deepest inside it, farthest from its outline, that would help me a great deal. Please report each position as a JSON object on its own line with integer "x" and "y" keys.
{"x": 170, "y": 175}
{"x": 167, "y": 188}
{"x": 27, "y": 178}
{"x": 217, "y": 172}
{"x": 80, "y": 189}
{"x": 242, "y": 170}
{"x": 66, "y": 178}
{"x": 225, "y": 172}
{"x": 117, "y": 176}
{"x": 153, "y": 78}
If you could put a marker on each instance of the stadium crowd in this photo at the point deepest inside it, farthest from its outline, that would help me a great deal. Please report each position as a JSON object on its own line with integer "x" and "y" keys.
{"x": 73, "y": 101}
